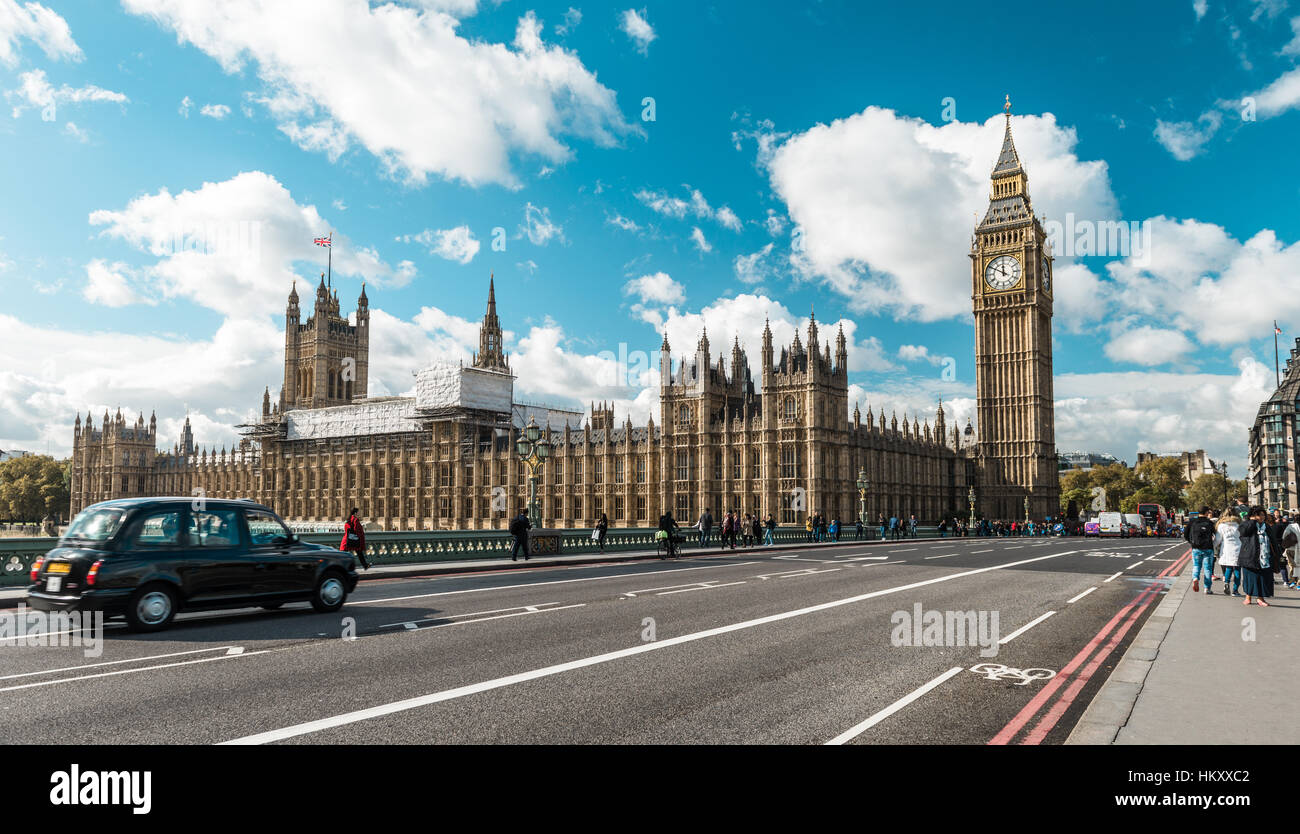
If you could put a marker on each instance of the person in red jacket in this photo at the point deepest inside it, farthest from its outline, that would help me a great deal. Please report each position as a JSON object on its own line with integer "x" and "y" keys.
{"x": 354, "y": 538}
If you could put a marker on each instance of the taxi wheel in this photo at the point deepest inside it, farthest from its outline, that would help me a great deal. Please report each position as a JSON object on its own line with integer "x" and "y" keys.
{"x": 330, "y": 593}
{"x": 151, "y": 608}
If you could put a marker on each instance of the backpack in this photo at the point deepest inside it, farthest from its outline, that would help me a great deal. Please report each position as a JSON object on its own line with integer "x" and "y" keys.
{"x": 517, "y": 527}
{"x": 1202, "y": 537}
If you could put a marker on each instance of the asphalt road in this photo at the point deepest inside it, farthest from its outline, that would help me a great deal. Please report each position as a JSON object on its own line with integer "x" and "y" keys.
{"x": 796, "y": 647}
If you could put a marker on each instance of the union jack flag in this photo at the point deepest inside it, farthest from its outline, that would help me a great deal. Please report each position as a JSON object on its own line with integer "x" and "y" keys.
{"x": 1277, "y": 329}
{"x": 323, "y": 241}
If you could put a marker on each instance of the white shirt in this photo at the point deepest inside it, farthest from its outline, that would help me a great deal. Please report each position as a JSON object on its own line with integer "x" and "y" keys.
{"x": 1227, "y": 545}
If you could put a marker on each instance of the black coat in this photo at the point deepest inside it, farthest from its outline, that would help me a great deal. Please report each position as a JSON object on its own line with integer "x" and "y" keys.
{"x": 1249, "y": 557}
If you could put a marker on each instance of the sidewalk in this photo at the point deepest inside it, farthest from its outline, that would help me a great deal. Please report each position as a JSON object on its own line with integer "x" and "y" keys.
{"x": 1193, "y": 676}
{"x": 408, "y": 569}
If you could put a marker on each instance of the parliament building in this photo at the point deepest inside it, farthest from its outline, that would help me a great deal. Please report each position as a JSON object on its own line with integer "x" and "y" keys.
{"x": 782, "y": 441}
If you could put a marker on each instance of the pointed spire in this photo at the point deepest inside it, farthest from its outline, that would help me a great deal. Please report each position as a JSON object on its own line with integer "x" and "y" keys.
{"x": 1008, "y": 159}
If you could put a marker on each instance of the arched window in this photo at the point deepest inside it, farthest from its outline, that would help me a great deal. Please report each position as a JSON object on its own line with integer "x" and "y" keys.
{"x": 788, "y": 408}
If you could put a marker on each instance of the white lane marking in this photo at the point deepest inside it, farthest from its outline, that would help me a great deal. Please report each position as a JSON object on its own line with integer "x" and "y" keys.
{"x": 867, "y": 559}
{"x": 699, "y": 588}
{"x": 1015, "y": 547}
{"x": 1115, "y": 575}
{"x": 130, "y": 671}
{"x": 1162, "y": 560}
{"x": 1013, "y": 635}
{"x": 989, "y": 550}
{"x": 112, "y": 662}
{"x": 234, "y": 650}
{"x": 941, "y": 556}
{"x": 1149, "y": 558}
{"x": 409, "y": 623}
{"x": 522, "y": 677}
{"x": 809, "y": 572}
{"x": 798, "y": 559}
{"x": 800, "y": 572}
{"x": 550, "y": 582}
{"x": 1134, "y": 565}
{"x": 416, "y": 627}
{"x": 859, "y": 729}
{"x": 1082, "y": 595}
{"x": 902, "y": 549}
{"x": 668, "y": 587}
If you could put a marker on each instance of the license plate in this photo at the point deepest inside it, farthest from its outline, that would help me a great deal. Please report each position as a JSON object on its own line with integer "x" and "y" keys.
{"x": 53, "y": 584}
{"x": 59, "y": 567}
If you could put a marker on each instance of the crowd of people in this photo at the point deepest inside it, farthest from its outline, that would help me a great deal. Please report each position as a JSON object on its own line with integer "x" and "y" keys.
{"x": 1249, "y": 545}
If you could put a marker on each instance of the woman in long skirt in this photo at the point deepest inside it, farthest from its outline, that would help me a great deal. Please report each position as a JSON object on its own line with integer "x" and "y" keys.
{"x": 1260, "y": 550}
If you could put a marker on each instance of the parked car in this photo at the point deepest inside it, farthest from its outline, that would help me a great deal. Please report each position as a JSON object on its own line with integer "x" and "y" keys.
{"x": 149, "y": 558}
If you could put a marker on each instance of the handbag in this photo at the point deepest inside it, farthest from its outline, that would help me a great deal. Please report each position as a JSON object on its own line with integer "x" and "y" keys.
{"x": 595, "y": 534}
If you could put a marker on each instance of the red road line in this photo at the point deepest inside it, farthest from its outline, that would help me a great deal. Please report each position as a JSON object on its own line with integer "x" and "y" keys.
{"x": 1053, "y": 716}
{"x": 1014, "y": 726}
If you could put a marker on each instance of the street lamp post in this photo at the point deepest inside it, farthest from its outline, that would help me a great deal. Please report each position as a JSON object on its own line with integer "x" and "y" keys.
{"x": 970, "y": 496}
{"x": 533, "y": 451}
{"x": 1026, "y": 508}
{"x": 1225, "y": 483}
{"x": 863, "y": 486}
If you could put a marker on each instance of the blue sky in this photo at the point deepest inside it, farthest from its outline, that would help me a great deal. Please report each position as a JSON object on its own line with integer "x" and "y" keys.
{"x": 829, "y": 155}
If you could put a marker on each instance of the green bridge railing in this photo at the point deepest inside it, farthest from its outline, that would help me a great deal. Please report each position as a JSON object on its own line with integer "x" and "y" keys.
{"x": 414, "y": 547}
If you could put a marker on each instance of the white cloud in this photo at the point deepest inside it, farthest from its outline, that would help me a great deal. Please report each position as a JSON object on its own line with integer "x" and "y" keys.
{"x": 538, "y": 228}
{"x": 636, "y": 27}
{"x": 697, "y": 237}
{"x": 1148, "y": 346}
{"x": 1293, "y": 48}
{"x": 658, "y": 288}
{"x": 753, "y": 268}
{"x": 918, "y": 353}
{"x": 774, "y": 223}
{"x": 697, "y": 206}
{"x": 215, "y": 111}
{"x": 623, "y": 223}
{"x": 1267, "y": 9}
{"x": 1127, "y": 412}
{"x": 38, "y": 24}
{"x": 458, "y": 244}
{"x": 187, "y": 104}
{"x": 339, "y": 205}
{"x": 36, "y": 91}
{"x": 110, "y": 284}
{"x": 1280, "y": 96}
{"x": 571, "y": 20}
{"x": 1184, "y": 139}
{"x": 1200, "y": 7}
{"x": 75, "y": 132}
{"x": 450, "y": 106}
{"x": 884, "y": 205}
{"x": 233, "y": 246}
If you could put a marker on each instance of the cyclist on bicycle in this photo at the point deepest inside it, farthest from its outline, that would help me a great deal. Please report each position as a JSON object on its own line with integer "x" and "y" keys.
{"x": 669, "y": 526}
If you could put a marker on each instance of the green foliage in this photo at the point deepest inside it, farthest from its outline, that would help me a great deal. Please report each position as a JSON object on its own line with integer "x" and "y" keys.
{"x": 33, "y": 487}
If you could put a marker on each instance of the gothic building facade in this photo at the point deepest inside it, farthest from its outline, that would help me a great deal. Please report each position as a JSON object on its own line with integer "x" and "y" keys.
{"x": 782, "y": 442}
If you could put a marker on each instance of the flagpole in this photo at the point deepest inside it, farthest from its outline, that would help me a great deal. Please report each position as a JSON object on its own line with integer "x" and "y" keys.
{"x": 1276, "y": 365}
{"x": 329, "y": 268}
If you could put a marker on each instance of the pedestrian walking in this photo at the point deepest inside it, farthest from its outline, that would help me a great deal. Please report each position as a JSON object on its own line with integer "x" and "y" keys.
{"x": 755, "y": 529}
{"x": 808, "y": 526}
{"x": 1227, "y": 549}
{"x": 602, "y": 527}
{"x": 943, "y": 528}
{"x": 1292, "y": 531}
{"x": 354, "y": 538}
{"x": 519, "y": 528}
{"x": 835, "y": 530}
{"x": 1199, "y": 533}
{"x": 771, "y": 530}
{"x": 911, "y": 525}
{"x": 747, "y": 531}
{"x": 881, "y": 523}
{"x": 705, "y": 525}
{"x": 893, "y": 527}
{"x": 857, "y": 530}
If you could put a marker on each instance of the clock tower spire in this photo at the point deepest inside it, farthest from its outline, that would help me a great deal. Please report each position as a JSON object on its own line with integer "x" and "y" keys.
{"x": 1011, "y": 293}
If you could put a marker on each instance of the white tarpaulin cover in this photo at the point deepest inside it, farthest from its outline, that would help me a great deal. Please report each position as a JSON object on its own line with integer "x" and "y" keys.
{"x": 553, "y": 417}
{"x": 454, "y": 386}
{"x": 386, "y": 416}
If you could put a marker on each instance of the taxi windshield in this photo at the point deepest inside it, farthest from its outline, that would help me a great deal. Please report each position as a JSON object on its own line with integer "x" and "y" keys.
{"x": 96, "y": 525}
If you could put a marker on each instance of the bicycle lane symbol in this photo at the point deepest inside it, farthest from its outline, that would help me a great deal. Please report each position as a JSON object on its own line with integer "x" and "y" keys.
{"x": 1022, "y": 677}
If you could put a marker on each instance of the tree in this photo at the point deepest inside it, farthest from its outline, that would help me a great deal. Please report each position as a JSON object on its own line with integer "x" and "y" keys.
{"x": 1213, "y": 491}
{"x": 1161, "y": 482}
{"x": 34, "y": 486}
{"x": 1076, "y": 488}
{"x": 1118, "y": 481}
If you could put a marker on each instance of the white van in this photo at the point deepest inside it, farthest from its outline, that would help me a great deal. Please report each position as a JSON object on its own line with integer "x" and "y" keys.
{"x": 1112, "y": 524}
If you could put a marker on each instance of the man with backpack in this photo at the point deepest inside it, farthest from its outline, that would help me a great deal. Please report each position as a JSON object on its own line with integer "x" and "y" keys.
{"x": 519, "y": 529}
{"x": 1199, "y": 533}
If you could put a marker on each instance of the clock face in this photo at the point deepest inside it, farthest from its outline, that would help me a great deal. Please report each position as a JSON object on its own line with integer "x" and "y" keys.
{"x": 1003, "y": 272}
{"x": 1047, "y": 275}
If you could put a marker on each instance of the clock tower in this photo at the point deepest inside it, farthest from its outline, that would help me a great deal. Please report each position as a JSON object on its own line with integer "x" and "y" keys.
{"x": 1011, "y": 291}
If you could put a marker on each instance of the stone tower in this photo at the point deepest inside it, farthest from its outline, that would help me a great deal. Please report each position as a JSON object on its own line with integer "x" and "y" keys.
{"x": 326, "y": 359}
{"x": 1011, "y": 291}
{"x": 491, "y": 348}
